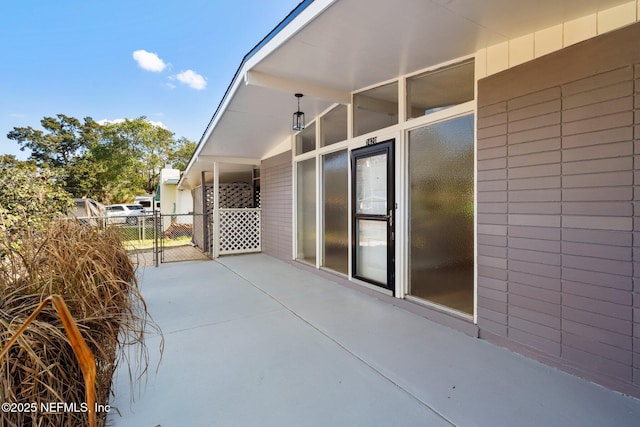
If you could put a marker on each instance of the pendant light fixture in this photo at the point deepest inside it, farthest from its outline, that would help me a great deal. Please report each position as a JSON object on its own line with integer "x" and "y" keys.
{"x": 298, "y": 116}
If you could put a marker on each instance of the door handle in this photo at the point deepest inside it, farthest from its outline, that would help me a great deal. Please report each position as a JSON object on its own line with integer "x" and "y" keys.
{"x": 390, "y": 217}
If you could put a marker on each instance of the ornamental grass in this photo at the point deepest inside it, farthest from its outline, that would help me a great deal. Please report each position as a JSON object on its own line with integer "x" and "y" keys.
{"x": 91, "y": 272}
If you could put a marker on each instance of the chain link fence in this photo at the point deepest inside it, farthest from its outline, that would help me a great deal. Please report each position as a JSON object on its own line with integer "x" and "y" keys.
{"x": 175, "y": 235}
{"x": 154, "y": 239}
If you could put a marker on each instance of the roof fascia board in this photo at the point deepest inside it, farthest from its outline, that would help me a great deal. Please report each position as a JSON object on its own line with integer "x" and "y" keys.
{"x": 304, "y": 13}
{"x": 270, "y": 44}
{"x": 256, "y": 78}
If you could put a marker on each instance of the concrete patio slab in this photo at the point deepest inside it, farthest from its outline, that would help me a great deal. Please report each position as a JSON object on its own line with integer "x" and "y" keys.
{"x": 250, "y": 340}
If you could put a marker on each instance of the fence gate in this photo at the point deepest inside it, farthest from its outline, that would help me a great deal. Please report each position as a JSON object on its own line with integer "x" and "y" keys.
{"x": 174, "y": 238}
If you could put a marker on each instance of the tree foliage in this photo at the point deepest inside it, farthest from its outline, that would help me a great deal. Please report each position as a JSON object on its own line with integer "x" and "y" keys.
{"x": 182, "y": 153}
{"x": 29, "y": 196}
{"x": 141, "y": 148}
{"x": 112, "y": 162}
{"x": 63, "y": 139}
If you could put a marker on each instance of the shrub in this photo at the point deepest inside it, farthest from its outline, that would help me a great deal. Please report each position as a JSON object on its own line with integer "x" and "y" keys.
{"x": 30, "y": 197}
{"x": 90, "y": 269}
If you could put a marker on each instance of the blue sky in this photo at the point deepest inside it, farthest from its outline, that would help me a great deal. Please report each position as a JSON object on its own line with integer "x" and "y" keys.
{"x": 76, "y": 57}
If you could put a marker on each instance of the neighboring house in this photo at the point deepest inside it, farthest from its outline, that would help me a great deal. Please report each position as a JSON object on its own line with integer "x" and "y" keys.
{"x": 174, "y": 204}
{"x": 475, "y": 162}
{"x": 172, "y": 200}
{"x": 168, "y": 199}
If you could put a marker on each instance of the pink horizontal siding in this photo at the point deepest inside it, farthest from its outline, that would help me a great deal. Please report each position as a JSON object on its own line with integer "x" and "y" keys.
{"x": 276, "y": 202}
{"x": 559, "y": 208}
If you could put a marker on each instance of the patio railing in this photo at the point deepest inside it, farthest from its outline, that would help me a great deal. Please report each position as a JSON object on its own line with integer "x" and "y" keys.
{"x": 240, "y": 231}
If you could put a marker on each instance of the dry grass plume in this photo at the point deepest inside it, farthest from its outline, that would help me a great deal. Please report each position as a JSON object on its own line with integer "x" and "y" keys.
{"x": 90, "y": 269}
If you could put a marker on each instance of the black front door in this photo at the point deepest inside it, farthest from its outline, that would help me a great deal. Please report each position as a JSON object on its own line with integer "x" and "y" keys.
{"x": 373, "y": 209}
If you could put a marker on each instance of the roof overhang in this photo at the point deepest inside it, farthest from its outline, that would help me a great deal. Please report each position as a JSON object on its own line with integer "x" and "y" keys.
{"x": 326, "y": 49}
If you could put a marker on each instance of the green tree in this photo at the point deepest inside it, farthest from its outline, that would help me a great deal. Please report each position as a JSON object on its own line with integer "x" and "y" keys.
{"x": 62, "y": 147}
{"x": 112, "y": 163}
{"x": 63, "y": 139}
{"x": 182, "y": 152}
{"x": 29, "y": 196}
{"x": 7, "y": 160}
{"x": 134, "y": 151}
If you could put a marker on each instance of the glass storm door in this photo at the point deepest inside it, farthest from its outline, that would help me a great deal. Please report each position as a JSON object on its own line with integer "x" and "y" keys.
{"x": 373, "y": 214}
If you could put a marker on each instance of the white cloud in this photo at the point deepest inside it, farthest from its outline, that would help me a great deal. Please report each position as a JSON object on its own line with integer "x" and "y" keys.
{"x": 192, "y": 79}
{"x": 110, "y": 122}
{"x": 149, "y": 61}
{"x": 158, "y": 124}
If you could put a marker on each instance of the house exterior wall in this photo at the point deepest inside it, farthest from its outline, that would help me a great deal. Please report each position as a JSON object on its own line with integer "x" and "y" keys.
{"x": 276, "y": 198}
{"x": 185, "y": 202}
{"x": 558, "y": 119}
{"x": 558, "y": 156}
{"x": 511, "y": 53}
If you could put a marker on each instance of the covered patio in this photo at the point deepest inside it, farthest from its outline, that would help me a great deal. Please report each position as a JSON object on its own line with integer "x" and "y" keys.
{"x": 251, "y": 340}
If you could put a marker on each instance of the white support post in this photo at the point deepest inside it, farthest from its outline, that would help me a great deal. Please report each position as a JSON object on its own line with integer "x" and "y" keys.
{"x": 401, "y": 215}
{"x": 350, "y": 225}
{"x": 294, "y": 207}
{"x": 402, "y": 197}
{"x": 216, "y": 210}
{"x": 319, "y": 204}
{"x": 350, "y": 133}
{"x": 350, "y": 121}
{"x": 475, "y": 214}
{"x": 403, "y": 98}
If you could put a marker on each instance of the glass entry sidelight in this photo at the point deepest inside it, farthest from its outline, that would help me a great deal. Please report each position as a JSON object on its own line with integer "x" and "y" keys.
{"x": 441, "y": 159}
{"x": 373, "y": 214}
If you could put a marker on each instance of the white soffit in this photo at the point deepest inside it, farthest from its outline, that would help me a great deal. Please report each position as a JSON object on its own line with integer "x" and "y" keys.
{"x": 256, "y": 120}
{"x": 351, "y": 44}
{"x": 358, "y": 43}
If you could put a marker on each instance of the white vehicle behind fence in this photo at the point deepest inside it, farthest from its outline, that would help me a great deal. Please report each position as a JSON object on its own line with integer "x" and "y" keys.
{"x": 147, "y": 202}
{"x": 125, "y": 213}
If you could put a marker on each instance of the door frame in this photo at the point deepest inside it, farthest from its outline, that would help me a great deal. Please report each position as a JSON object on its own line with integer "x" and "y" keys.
{"x": 384, "y": 147}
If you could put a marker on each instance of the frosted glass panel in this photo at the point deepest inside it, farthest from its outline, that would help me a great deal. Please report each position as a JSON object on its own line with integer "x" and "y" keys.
{"x": 440, "y": 89}
{"x": 371, "y": 191}
{"x": 334, "y": 126}
{"x": 375, "y": 109}
{"x": 306, "y": 140}
{"x": 336, "y": 211}
{"x": 372, "y": 250}
{"x": 441, "y": 174}
{"x": 306, "y": 192}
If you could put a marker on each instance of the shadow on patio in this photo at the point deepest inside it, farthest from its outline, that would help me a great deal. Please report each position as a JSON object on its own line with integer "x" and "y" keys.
{"x": 250, "y": 340}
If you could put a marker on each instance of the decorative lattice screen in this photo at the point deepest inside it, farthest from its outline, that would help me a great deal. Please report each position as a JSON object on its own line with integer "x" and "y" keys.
{"x": 236, "y": 195}
{"x": 239, "y": 231}
{"x": 209, "y": 199}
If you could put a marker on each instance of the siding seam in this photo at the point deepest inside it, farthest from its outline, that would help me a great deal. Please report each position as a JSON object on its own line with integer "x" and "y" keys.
{"x": 562, "y": 234}
{"x": 591, "y": 288}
